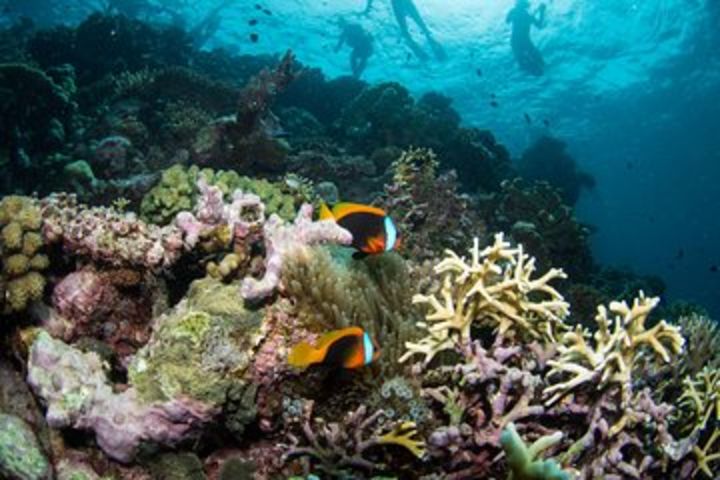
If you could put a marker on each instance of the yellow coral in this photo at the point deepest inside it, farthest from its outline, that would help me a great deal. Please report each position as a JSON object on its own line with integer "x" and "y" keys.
{"x": 20, "y": 246}
{"x": 700, "y": 399}
{"x": 12, "y": 236}
{"x": 16, "y": 265}
{"x": 619, "y": 343}
{"x": 495, "y": 288}
{"x": 31, "y": 243}
{"x": 402, "y": 435}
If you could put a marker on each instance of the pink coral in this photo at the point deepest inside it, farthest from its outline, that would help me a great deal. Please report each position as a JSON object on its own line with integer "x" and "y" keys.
{"x": 282, "y": 240}
{"x": 245, "y": 214}
{"x": 84, "y": 296}
{"x": 108, "y": 236}
{"x": 74, "y": 387}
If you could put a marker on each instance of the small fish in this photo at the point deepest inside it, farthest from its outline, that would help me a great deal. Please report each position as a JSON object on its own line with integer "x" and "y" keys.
{"x": 478, "y": 72}
{"x": 266, "y": 11}
{"x": 372, "y": 229}
{"x": 494, "y": 104}
{"x": 254, "y": 37}
{"x": 349, "y": 347}
{"x": 680, "y": 254}
{"x": 252, "y": 22}
{"x": 714, "y": 268}
{"x": 546, "y": 122}
{"x": 258, "y": 6}
{"x": 527, "y": 118}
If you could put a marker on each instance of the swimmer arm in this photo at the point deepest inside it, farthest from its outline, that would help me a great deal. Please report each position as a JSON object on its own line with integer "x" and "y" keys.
{"x": 341, "y": 41}
{"x": 367, "y": 7}
{"x": 539, "y": 17}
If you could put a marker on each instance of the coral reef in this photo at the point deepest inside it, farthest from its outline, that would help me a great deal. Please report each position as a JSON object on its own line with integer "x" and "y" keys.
{"x": 74, "y": 387}
{"x": 20, "y": 453}
{"x": 427, "y": 207}
{"x": 284, "y": 240}
{"x": 107, "y": 236}
{"x": 21, "y": 255}
{"x": 548, "y": 161}
{"x": 534, "y": 215}
{"x": 177, "y": 191}
{"x": 522, "y": 459}
{"x": 343, "y": 446}
{"x": 495, "y": 288}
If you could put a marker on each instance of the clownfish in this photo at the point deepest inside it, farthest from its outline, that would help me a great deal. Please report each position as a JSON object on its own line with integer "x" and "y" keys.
{"x": 349, "y": 347}
{"x": 373, "y": 231}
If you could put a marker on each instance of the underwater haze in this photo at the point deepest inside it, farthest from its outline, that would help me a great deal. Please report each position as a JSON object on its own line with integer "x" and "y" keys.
{"x": 359, "y": 239}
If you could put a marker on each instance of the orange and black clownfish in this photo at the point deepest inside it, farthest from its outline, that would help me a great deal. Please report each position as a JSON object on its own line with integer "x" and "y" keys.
{"x": 372, "y": 229}
{"x": 349, "y": 347}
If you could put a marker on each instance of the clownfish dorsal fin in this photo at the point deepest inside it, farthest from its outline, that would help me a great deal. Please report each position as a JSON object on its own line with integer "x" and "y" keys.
{"x": 344, "y": 209}
{"x": 331, "y": 337}
{"x": 325, "y": 213}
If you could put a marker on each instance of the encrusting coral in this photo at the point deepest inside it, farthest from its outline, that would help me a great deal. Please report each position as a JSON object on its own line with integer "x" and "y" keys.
{"x": 178, "y": 382}
{"x": 74, "y": 387}
{"x": 21, "y": 254}
{"x": 495, "y": 288}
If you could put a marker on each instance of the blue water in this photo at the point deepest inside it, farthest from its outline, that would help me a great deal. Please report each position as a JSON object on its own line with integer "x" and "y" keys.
{"x": 633, "y": 88}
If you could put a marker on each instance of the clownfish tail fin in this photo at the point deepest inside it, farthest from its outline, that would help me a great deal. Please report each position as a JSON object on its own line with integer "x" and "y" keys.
{"x": 303, "y": 354}
{"x": 325, "y": 212}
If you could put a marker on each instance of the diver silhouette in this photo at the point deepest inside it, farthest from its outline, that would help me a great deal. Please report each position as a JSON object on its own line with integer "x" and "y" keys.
{"x": 404, "y": 9}
{"x": 361, "y": 43}
{"x": 526, "y": 53}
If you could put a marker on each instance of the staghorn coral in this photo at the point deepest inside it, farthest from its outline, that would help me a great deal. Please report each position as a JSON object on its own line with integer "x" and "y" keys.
{"x": 618, "y": 344}
{"x": 699, "y": 416}
{"x": 497, "y": 289}
{"x": 21, "y": 255}
{"x": 430, "y": 212}
{"x": 338, "y": 446}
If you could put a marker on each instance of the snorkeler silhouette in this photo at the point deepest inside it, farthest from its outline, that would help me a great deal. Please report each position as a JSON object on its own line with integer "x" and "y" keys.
{"x": 404, "y": 9}
{"x": 361, "y": 43}
{"x": 526, "y": 54}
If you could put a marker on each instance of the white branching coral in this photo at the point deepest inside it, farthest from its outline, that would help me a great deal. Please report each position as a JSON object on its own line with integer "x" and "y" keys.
{"x": 495, "y": 288}
{"x": 619, "y": 342}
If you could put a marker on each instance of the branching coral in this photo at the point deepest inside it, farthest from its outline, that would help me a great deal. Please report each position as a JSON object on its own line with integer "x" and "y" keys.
{"x": 285, "y": 240}
{"x": 523, "y": 461}
{"x": 619, "y": 342}
{"x": 700, "y": 415}
{"x": 495, "y": 288}
{"x": 341, "y": 445}
{"x": 21, "y": 254}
